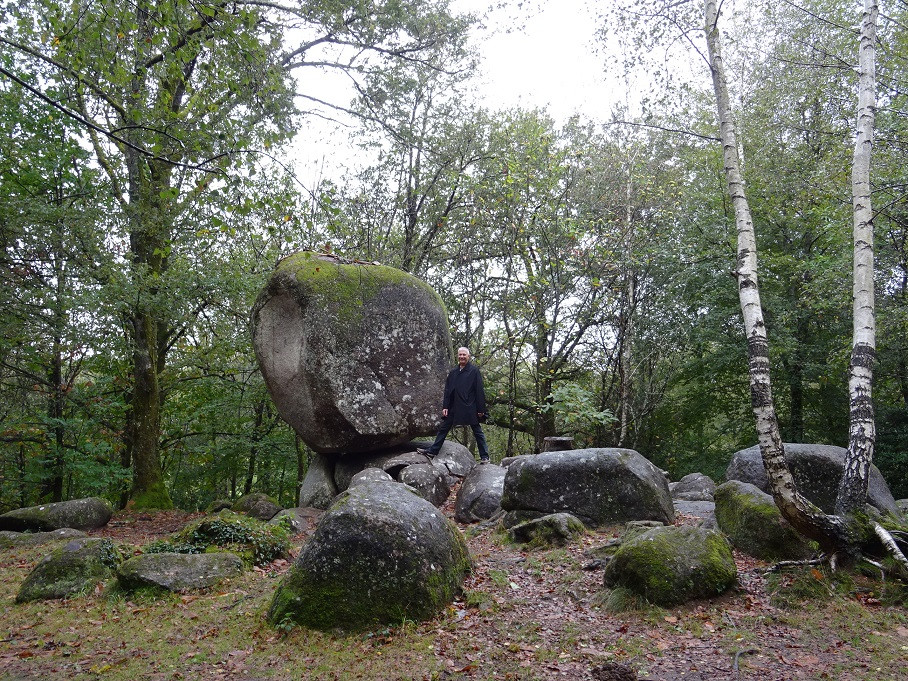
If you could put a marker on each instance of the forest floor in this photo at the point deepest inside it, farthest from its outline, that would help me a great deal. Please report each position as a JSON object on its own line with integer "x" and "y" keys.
{"x": 525, "y": 614}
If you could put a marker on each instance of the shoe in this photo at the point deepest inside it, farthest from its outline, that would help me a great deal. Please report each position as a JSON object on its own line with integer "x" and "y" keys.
{"x": 425, "y": 452}
{"x": 484, "y": 461}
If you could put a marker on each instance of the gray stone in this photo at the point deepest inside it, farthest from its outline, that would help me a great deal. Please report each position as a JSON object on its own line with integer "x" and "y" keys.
{"x": 693, "y": 487}
{"x": 178, "y": 571}
{"x": 369, "y": 475}
{"x": 381, "y": 554}
{"x": 671, "y": 565}
{"x": 318, "y": 488}
{"x": 556, "y": 529}
{"x": 753, "y": 523}
{"x": 69, "y": 570}
{"x": 78, "y": 514}
{"x": 257, "y": 505}
{"x": 702, "y": 513}
{"x": 298, "y": 519}
{"x": 219, "y": 505}
{"x": 456, "y": 459}
{"x": 429, "y": 480}
{"x": 10, "y": 539}
{"x": 817, "y": 470}
{"x": 355, "y": 355}
{"x": 391, "y": 461}
{"x": 479, "y": 497}
{"x": 599, "y": 486}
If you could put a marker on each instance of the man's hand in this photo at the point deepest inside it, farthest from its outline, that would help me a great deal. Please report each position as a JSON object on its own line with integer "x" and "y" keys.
{"x": 444, "y": 412}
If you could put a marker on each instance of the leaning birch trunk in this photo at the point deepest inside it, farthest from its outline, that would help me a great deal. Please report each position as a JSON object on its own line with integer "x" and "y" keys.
{"x": 862, "y": 428}
{"x": 801, "y": 513}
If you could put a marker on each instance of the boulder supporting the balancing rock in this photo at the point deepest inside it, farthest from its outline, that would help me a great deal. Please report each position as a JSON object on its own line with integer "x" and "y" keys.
{"x": 392, "y": 461}
{"x": 479, "y": 497}
{"x": 257, "y": 505}
{"x": 78, "y": 514}
{"x": 693, "y": 487}
{"x": 370, "y": 475}
{"x": 381, "y": 554}
{"x": 354, "y": 355}
{"x": 671, "y": 565}
{"x": 556, "y": 529}
{"x": 318, "y": 488}
{"x": 178, "y": 571}
{"x": 71, "y": 569}
{"x": 753, "y": 523}
{"x": 429, "y": 480}
{"x": 598, "y": 486}
{"x": 456, "y": 459}
{"x": 817, "y": 471}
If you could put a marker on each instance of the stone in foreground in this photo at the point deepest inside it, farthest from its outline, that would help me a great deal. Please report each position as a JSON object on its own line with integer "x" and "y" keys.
{"x": 817, "y": 470}
{"x": 78, "y": 514}
{"x": 671, "y": 565}
{"x": 355, "y": 355}
{"x": 754, "y": 524}
{"x": 178, "y": 571}
{"x": 556, "y": 529}
{"x": 479, "y": 497}
{"x": 69, "y": 570}
{"x": 598, "y": 486}
{"x": 381, "y": 554}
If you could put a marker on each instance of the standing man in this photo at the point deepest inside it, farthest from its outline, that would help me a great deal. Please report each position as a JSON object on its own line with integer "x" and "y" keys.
{"x": 464, "y": 404}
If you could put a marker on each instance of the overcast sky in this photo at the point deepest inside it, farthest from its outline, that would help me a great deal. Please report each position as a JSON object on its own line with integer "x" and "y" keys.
{"x": 547, "y": 57}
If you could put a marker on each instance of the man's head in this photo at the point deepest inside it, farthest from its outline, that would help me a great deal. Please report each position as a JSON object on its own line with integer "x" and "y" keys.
{"x": 463, "y": 356}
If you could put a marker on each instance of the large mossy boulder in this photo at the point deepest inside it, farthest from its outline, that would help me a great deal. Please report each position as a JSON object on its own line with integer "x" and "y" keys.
{"x": 671, "y": 565}
{"x": 751, "y": 520}
{"x": 78, "y": 514}
{"x": 598, "y": 486}
{"x": 177, "y": 571}
{"x": 354, "y": 354}
{"x": 381, "y": 554}
{"x": 70, "y": 569}
{"x": 817, "y": 471}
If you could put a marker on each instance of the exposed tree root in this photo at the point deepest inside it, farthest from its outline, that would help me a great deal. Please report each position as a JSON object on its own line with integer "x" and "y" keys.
{"x": 782, "y": 564}
{"x": 891, "y": 545}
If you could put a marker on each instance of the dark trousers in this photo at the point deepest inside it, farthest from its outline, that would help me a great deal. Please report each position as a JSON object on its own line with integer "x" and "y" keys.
{"x": 477, "y": 433}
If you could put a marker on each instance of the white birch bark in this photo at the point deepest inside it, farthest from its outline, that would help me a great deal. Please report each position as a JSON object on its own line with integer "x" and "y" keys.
{"x": 803, "y": 515}
{"x": 862, "y": 429}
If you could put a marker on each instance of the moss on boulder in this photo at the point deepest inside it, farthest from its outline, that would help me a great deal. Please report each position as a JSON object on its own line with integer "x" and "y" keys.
{"x": 177, "y": 571}
{"x": 754, "y": 524}
{"x": 257, "y": 505}
{"x": 556, "y": 529}
{"x": 381, "y": 554}
{"x": 69, "y": 570}
{"x": 79, "y": 514}
{"x": 671, "y": 565}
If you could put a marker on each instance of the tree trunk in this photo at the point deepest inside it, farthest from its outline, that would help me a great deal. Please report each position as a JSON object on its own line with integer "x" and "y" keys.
{"x": 862, "y": 429}
{"x": 809, "y": 520}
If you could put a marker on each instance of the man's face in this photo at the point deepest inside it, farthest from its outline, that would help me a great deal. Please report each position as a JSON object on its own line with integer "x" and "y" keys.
{"x": 463, "y": 357}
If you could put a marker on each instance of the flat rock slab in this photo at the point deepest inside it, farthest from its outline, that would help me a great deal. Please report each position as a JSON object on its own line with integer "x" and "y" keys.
{"x": 178, "y": 571}
{"x": 78, "y": 514}
{"x": 10, "y": 539}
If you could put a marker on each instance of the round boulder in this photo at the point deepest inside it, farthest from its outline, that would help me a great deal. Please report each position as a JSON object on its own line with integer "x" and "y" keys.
{"x": 693, "y": 487}
{"x": 817, "y": 470}
{"x": 598, "y": 486}
{"x": 257, "y": 505}
{"x": 479, "y": 497}
{"x": 751, "y": 520}
{"x": 355, "y": 355}
{"x": 68, "y": 570}
{"x": 671, "y": 565}
{"x": 318, "y": 488}
{"x": 178, "y": 571}
{"x": 380, "y": 554}
{"x": 427, "y": 479}
{"x": 78, "y": 514}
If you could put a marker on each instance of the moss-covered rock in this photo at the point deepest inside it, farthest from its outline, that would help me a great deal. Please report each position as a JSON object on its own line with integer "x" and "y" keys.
{"x": 177, "y": 571}
{"x": 256, "y": 542}
{"x": 12, "y": 539}
{"x": 754, "y": 524}
{"x": 354, "y": 354}
{"x": 556, "y": 529}
{"x": 257, "y": 505}
{"x": 380, "y": 554}
{"x": 599, "y": 486}
{"x": 79, "y": 514}
{"x": 671, "y": 565}
{"x": 69, "y": 570}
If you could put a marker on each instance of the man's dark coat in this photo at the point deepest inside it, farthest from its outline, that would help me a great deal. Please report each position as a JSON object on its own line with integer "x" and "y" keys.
{"x": 464, "y": 396}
